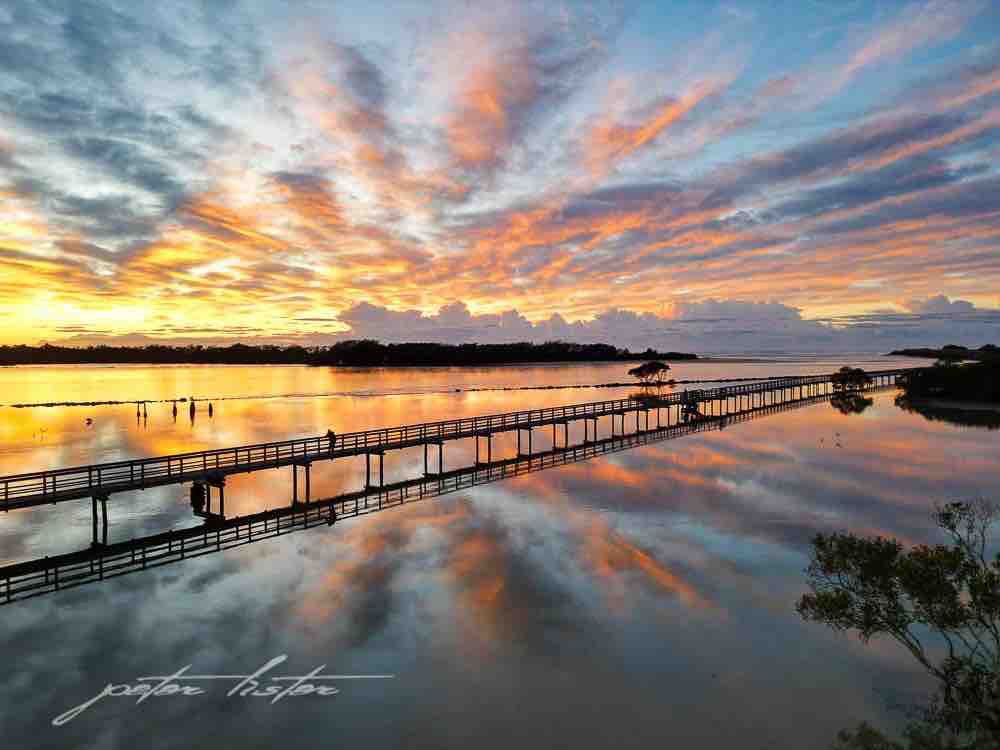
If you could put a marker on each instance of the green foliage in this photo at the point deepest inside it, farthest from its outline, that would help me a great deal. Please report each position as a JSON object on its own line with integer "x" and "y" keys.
{"x": 864, "y": 737}
{"x": 919, "y": 736}
{"x": 873, "y": 587}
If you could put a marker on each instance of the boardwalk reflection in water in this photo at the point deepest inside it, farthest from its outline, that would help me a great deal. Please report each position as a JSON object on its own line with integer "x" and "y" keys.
{"x": 651, "y": 588}
{"x": 103, "y": 562}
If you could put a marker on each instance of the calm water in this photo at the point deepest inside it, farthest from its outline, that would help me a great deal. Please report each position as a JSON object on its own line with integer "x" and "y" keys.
{"x": 642, "y": 597}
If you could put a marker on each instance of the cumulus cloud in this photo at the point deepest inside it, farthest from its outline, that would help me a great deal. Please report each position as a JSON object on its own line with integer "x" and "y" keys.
{"x": 707, "y": 326}
{"x": 940, "y": 305}
{"x": 710, "y": 326}
{"x": 935, "y": 321}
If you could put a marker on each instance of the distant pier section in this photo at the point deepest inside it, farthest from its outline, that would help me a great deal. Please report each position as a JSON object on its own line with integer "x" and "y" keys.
{"x": 209, "y": 468}
{"x": 656, "y": 417}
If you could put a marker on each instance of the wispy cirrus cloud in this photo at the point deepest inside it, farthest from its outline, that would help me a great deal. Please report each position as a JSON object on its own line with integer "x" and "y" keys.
{"x": 157, "y": 169}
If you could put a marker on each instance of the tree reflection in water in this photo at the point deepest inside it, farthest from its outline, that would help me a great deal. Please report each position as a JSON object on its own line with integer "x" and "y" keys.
{"x": 934, "y": 411}
{"x": 850, "y": 403}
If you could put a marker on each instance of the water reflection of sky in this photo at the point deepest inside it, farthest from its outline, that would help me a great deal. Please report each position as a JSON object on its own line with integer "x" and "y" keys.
{"x": 640, "y": 597}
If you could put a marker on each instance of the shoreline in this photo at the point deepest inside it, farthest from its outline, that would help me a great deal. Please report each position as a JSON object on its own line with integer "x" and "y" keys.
{"x": 690, "y": 359}
{"x": 346, "y": 353}
{"x": 394, "y": 366}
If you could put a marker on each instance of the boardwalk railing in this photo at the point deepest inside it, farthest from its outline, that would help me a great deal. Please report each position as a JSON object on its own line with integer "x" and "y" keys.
{"x": 42, "y": 487}
{"x": 47, "y": 575}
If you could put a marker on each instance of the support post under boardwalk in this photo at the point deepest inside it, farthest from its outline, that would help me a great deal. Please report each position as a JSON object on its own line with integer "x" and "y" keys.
{"x": 103, "y": 540}
{"x": 586, "y": 424}
{"x": 218, "y": 481}
{"x": 489, "y": 447}
{"x": 520, "y": 449}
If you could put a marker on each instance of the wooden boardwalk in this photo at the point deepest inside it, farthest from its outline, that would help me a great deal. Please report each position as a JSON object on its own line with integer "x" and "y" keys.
{"x": 98, "y": 481}
{"x": 48, "y": 575}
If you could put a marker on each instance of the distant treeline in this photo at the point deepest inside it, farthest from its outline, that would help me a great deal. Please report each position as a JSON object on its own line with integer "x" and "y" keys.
{"x": 363, "y": 353}
{"x": 988, "y": 353}
{"x": 367, "y": 352}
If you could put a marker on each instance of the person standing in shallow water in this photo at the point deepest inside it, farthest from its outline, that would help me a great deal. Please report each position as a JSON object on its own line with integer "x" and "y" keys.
{"x": 210, "y": 410}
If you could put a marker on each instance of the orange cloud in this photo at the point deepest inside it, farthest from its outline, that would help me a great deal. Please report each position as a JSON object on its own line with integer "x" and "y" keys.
{"x": 917, "y": 24}
{"x": 482, "y": 126}
{"x": 612, "y": 558}
{"x": 984, "y": 84}
{"x": 610, "y": 141}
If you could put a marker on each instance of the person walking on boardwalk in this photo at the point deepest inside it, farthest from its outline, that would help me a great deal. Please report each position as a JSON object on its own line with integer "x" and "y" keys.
{"x": 331, "y": 436}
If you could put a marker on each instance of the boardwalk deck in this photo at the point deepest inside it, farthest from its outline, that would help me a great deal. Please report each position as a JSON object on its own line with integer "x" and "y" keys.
{"x": 47, "y": 575}
{"x": 100, "y": 480}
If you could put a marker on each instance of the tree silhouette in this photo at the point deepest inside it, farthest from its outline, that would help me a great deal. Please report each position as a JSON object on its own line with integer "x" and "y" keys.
{"x": 975, "y": 381}
{"x": 650, "y": 373}
{"x": 950, "y": 591}
{"x": 348, "y": 353}
{"x": 850, "y": 379}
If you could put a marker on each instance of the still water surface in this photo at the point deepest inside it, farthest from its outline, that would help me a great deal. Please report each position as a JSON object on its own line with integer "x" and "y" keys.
{"x": 641, "y": 597}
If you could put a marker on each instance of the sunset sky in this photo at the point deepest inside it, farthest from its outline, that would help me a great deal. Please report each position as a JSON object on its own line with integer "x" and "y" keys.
{"x": 716, "y": 176}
